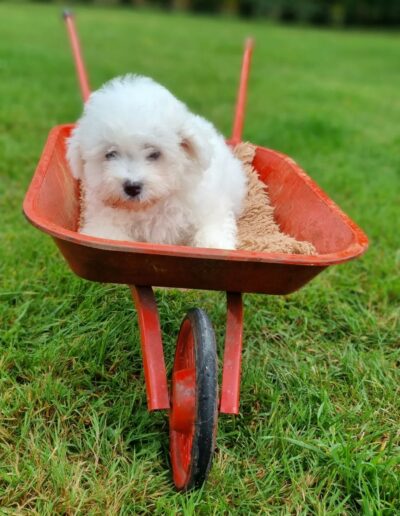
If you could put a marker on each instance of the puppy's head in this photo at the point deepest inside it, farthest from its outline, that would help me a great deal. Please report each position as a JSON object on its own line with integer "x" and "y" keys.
{"x": 136, "y": 144}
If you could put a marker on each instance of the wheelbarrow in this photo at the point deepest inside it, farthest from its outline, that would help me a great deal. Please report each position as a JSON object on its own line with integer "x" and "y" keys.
{"x": 302, "y": 210}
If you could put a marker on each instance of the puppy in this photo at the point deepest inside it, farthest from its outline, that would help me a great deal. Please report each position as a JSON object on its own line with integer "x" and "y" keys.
{"x": 152, "y": 171}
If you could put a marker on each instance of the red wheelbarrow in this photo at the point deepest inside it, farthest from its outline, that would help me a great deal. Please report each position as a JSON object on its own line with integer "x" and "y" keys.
{"x": 301, "y": 209}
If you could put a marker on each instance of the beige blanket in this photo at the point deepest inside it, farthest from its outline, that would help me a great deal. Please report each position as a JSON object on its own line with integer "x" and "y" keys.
{"x": 257, "y": 229}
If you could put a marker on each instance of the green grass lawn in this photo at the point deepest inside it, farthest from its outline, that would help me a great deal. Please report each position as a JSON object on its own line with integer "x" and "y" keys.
{"x": 318, "y": 431}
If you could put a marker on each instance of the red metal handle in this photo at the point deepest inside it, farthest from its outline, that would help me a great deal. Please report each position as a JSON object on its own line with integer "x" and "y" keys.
{"x": 241, "y": 98}
{"x": 77, "y": 54}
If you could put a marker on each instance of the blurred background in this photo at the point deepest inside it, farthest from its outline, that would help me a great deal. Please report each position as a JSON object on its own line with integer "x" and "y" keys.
{"x": 383, "y": 13}
{"x": 319, "y": 12}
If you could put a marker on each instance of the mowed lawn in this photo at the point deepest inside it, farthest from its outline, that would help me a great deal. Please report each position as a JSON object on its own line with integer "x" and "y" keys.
{"x": 318, "y": 431}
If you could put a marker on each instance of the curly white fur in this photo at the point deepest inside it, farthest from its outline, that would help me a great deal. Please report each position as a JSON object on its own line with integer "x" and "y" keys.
{"x": 189, "y": 188}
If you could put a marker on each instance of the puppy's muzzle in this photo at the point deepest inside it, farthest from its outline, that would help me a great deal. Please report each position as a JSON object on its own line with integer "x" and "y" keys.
{"x": 132, "y": 189}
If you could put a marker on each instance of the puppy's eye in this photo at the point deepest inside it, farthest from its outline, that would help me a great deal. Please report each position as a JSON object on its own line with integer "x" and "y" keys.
{"x": 154, "y": 156}
{"x": 111, "y": 155}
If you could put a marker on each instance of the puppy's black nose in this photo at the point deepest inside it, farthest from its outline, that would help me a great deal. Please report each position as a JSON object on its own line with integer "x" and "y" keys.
{"x": 132, "y": 189}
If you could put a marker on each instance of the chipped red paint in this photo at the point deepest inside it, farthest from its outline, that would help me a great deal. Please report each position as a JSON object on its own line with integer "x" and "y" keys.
{"x": 183, "y": 384}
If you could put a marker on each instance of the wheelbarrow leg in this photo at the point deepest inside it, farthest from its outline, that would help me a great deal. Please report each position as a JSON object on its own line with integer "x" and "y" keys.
{"x": 232, "y": 355}
{"x": 152, "y": 348}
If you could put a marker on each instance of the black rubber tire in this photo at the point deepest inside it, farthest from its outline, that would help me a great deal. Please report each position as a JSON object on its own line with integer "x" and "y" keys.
{"x": 206, "y": 398}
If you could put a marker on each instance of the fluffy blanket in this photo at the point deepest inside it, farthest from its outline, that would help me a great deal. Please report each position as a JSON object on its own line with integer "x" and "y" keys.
{"x": 257, "y": 229}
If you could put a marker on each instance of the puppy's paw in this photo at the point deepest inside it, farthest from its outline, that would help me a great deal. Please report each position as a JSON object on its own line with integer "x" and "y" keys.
{"x": 214, "y": 239}
{"x": 109, "y": 233}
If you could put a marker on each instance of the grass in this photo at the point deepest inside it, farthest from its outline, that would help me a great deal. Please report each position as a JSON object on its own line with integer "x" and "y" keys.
{"x": 318, "y": 431}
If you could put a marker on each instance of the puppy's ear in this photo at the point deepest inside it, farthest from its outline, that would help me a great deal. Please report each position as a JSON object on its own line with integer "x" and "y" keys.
{"x": 194, "y": 142}
{"x": 74, "y": 154}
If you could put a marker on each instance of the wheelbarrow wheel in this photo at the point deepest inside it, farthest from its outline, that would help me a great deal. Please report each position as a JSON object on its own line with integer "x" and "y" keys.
{"x": 194, "y": 401}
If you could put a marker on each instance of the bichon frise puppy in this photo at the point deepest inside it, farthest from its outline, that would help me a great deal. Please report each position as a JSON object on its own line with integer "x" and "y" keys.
{"x": 152, "y": 171}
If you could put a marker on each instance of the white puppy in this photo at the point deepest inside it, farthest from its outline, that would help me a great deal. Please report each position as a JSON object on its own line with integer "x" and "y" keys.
{"x": 151, "y": 171}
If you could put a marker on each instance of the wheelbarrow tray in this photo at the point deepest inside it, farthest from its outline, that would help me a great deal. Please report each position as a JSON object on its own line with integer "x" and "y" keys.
{"x": 302, "y": 210}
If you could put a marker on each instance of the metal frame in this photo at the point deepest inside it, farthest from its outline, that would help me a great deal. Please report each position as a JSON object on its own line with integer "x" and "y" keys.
{"x": 153, "y": 354}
